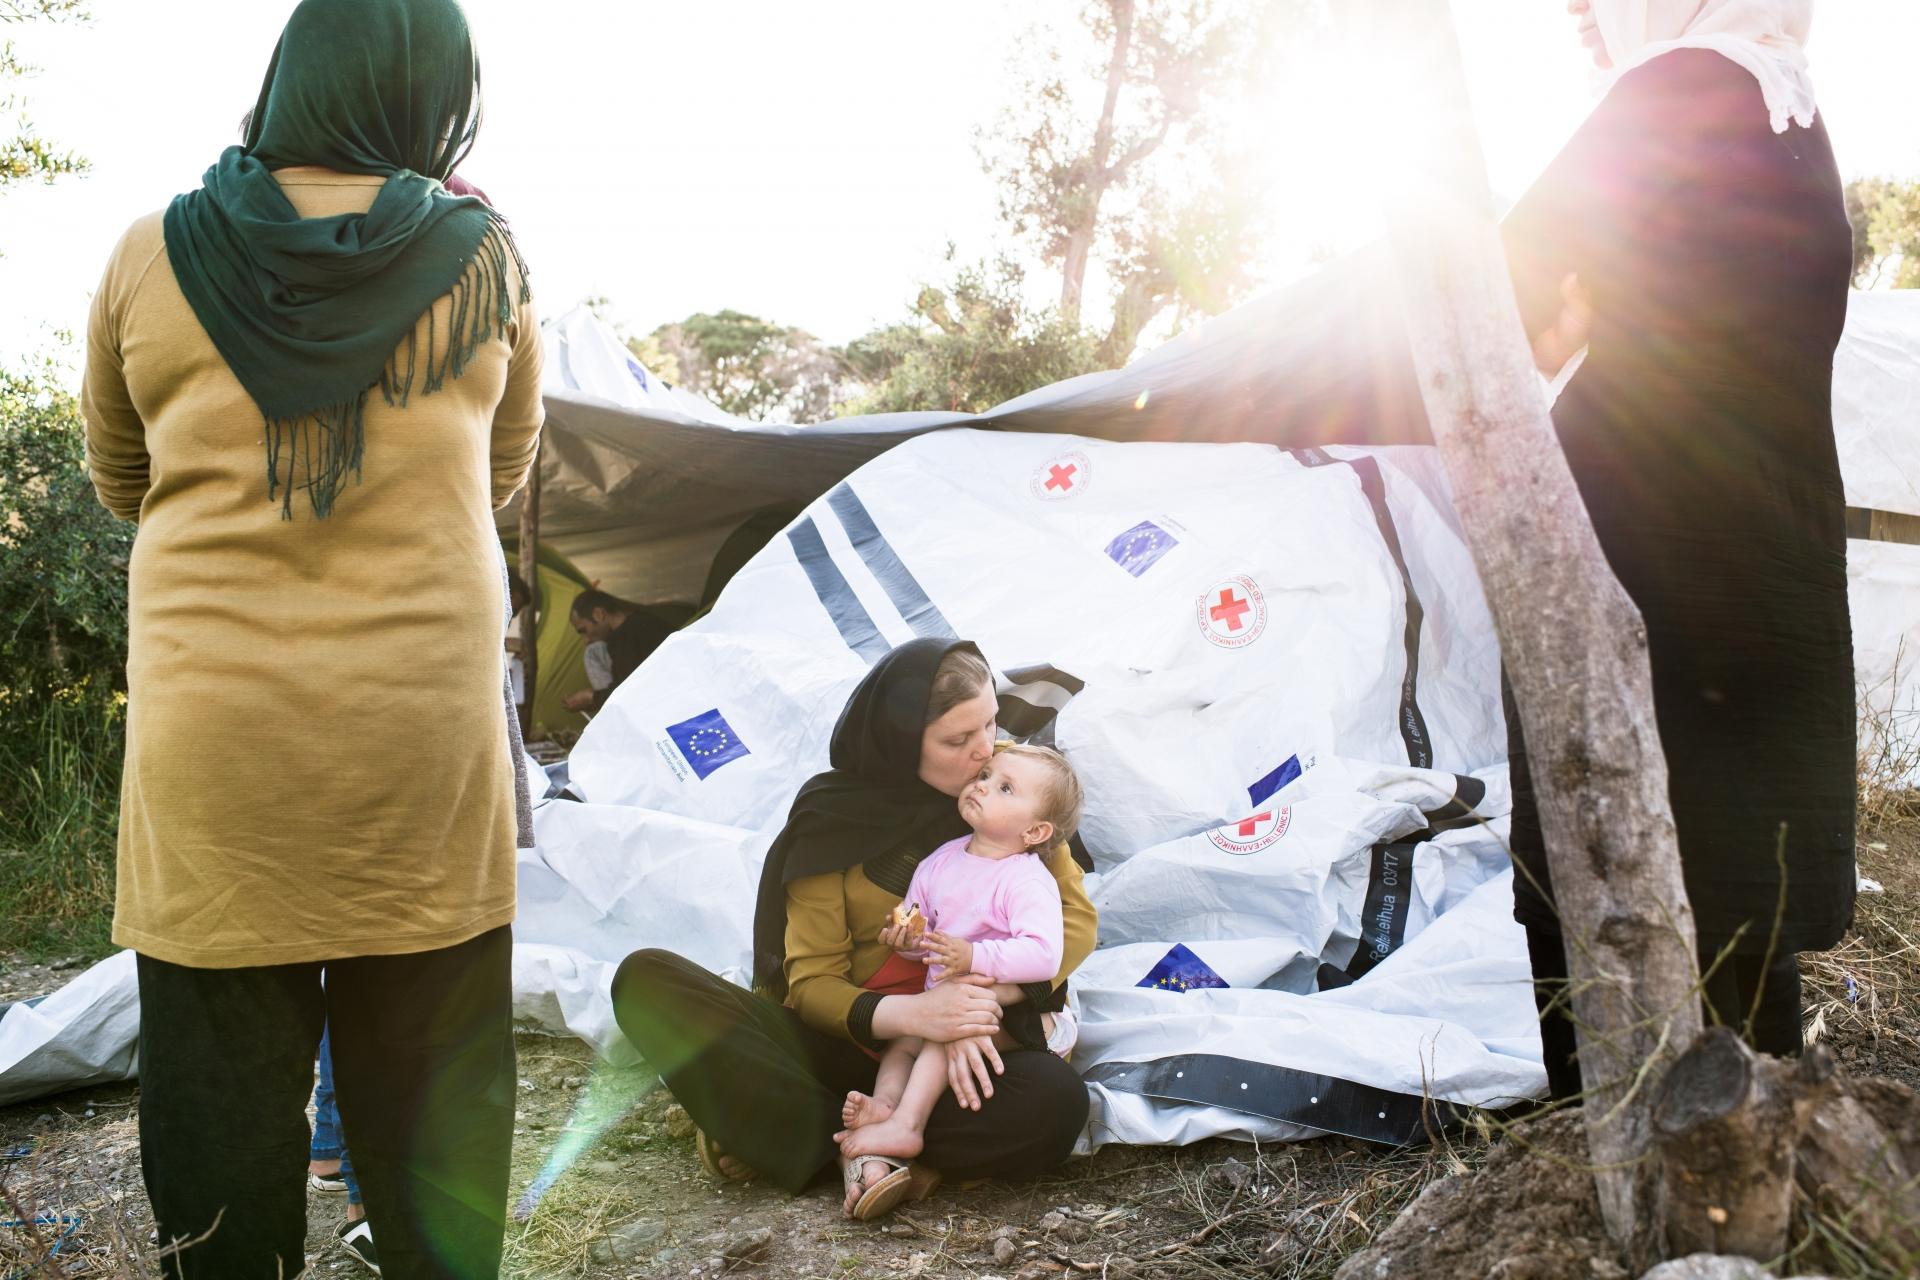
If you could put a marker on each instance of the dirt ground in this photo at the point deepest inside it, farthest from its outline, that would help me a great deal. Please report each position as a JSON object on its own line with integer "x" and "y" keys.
{"x": 606, "y": 1185}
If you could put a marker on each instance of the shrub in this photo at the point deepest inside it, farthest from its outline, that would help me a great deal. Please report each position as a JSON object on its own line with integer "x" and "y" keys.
{"x": 63, "y": 647}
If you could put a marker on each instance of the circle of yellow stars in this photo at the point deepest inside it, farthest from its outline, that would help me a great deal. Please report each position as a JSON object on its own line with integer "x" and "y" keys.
{"x": 693, "y": 742}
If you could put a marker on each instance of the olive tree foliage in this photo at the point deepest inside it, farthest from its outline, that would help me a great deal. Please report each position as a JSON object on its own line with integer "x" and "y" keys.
{"x": 1885, "y": 214}
{"x": 967, "y": 346}
{"x": 25, "y": 156}
{"x": 63, "y": 558}
{"x": 1126, "y": 158}
{"x": 748, "y": 366}
{"x": 1119, "y": 146}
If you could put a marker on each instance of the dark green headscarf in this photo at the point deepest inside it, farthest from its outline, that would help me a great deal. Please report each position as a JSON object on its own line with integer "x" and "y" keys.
{"x": 312, "y": 313}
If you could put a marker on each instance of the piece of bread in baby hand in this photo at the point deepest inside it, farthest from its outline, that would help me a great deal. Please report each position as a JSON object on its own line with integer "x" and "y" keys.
{"x": 907, "y": 916}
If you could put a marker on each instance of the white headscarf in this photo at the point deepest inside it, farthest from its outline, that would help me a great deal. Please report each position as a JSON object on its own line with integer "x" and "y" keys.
{"x": 1767, "y": 37}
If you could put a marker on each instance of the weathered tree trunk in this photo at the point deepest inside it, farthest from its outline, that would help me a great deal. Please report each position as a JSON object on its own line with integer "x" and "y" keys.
{"x": 530, "y": 574}
{"x": 1728, "y": 1122}
{"x": 1574, "y": 644}
{"x": 1859, "y": 1162}
{"x": 1073, "y": 269}
{"x": 1134, "y": 308}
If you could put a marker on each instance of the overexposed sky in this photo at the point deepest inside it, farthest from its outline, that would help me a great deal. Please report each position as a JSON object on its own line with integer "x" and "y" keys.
{"x": 808, "y": 163}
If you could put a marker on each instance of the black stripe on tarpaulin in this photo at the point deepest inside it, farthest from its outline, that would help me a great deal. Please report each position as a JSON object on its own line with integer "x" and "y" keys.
{"x": 1024, "y": 722}
{"x": 1383, "y": 922}
{"x": 836, "y": 596}
{"x": 1032, "y": 698}
{"x": 1044, "y": 674}
{"x": 1463, "y": 810}
{"x": 893, "y": 576}
{"x": 1320, "y": 1102}
{"x": 1413, "y": 725}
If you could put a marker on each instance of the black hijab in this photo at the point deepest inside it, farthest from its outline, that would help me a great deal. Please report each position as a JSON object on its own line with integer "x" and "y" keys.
{"x": 869, "y": 805}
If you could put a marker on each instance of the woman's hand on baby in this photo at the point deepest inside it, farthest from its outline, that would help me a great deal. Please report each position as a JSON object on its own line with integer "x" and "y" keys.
{"x": 955, "y": 955}
{"x": 968, "y": 1070}
{"x": 956, "y": 1010}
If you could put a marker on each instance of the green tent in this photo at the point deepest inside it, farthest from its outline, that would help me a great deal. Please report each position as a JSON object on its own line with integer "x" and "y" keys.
{"x": 560, "y": 664}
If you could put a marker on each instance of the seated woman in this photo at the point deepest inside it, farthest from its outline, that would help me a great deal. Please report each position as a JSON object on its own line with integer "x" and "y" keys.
{"x": 765, "y": 1073}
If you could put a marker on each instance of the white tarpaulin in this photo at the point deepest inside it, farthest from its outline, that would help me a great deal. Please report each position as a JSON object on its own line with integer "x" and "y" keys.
{"x": 1876, "y": 401}
{"x": 643, "y": 482}
{"x": 1276, "y": 675}
{"x": 1883, "y": 591}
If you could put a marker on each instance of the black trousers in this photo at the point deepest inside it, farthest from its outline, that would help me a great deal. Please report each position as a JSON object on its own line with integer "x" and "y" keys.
{"x": 1729, "y": 993}
{"x": 424, "y": 1070}
{"x": 768, "y": 1088}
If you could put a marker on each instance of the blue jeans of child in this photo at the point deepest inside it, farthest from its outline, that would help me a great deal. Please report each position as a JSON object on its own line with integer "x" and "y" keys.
{"x": 329, "y": 1143}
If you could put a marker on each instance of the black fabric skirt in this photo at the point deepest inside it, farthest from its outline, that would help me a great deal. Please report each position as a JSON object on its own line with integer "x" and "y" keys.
{"x": 1728, "y": 533}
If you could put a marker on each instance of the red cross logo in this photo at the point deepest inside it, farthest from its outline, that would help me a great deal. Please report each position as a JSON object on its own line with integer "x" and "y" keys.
{"x": 1229, "y": 610}
{"x": 1251, "y": 835}
{"x": 1061, "y": 477}
{"x": 1232, "y": 613}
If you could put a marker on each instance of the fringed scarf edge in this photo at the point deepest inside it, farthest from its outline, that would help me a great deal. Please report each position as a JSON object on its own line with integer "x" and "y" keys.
{"x": 323, "y": 446}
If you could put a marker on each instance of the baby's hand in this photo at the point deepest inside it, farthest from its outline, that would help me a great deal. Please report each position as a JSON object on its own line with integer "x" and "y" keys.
{"x": 952, "y": 954}
{"x": 898, "y": 938}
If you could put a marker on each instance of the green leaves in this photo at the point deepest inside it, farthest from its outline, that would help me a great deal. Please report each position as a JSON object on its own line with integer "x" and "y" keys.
{"x": 968, "y": 347}
{"x": 24, "y": 154}
{"x": 1886, "y": 232}
{"x": 749, "y": 367}
{"x": 63, "y": 559}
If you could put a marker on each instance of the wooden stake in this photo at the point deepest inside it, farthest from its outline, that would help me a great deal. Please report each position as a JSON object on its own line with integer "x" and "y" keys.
{"x": 1574, "y": 644}
{"x": 530, "y": 574}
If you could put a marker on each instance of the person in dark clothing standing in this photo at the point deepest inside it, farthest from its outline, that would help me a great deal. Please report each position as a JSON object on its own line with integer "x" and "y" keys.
{"x": 630, "y": 632}
{"x": 1696, "y": 226}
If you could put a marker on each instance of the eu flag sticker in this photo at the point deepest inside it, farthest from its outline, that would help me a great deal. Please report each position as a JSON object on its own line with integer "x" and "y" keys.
{"x": 707, "y": 741}
{"x": 1181, "y": 970}
{"x": 1139, "y": 548}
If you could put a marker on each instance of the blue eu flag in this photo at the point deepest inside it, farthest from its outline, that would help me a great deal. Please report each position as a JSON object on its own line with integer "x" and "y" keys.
{"x": 1274, "y": 781}
{"x": 1140, "y": 547}
{"x": 1181, "y": 970}
{"x": 707, "y": 741}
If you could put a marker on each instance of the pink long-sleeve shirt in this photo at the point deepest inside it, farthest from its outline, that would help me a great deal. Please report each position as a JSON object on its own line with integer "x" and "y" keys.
{"x": 1008, "y": 908}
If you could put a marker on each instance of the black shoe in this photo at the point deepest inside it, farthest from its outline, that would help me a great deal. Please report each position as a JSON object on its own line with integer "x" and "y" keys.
{"x": 357, "y": 1239}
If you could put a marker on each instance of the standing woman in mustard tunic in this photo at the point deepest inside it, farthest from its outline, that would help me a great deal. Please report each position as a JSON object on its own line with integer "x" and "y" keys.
{"x": 311, "y": 381}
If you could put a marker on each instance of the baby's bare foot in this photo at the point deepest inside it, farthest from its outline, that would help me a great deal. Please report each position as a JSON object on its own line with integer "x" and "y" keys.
{"x": 890, "y": 1137}
{"x": 861, "y": 1111}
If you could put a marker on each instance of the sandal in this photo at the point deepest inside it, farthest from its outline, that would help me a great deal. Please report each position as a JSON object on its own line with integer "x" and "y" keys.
{"x": 710, "y": 1155}
{"x": 906, "y": 1182}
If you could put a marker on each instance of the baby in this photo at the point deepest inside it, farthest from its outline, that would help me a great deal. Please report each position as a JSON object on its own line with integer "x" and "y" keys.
{"x": 983, "y": 904}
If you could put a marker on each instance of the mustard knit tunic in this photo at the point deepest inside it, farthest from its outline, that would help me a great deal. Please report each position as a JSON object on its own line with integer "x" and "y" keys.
{"x": 317, "y": 761}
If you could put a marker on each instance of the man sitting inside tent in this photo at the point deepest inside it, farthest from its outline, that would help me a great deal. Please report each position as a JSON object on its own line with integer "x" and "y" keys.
{"x": 630, "y": 632}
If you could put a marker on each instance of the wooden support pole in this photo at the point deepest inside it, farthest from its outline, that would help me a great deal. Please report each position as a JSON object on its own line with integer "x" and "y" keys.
{"x": 530, "y": 574}
{"x": 1573, "y": 642}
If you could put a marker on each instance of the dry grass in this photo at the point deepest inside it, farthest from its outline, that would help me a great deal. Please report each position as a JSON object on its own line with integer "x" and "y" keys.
{"x": 76, "y": 1207}
{"x": 1298, "y": 1235}
{"x": 1889, "y": 747}
{"x": 565, "y": 1202}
